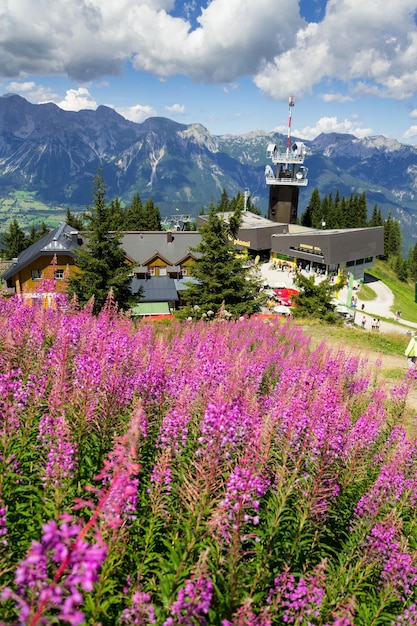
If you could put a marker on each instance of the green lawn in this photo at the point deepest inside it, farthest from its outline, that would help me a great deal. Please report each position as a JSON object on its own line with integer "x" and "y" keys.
{"x": 404, "y": 293}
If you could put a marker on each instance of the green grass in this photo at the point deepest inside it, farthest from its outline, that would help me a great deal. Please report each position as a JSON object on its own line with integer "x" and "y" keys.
{"x": 403, "y": 292}
{"x": 384, "y": 343}
{"x": 366, "y": 293}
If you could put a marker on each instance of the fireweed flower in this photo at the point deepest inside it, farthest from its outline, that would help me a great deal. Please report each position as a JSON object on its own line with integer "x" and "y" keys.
{"x": 61, "y": 459}
{"x": 245, "y": 616}
{"x": 192, "y": 603}
{"x": 174, "y": 429}
{"x": 224, "y": 426}
{"x": 75, "y": 564}
{"x": 13, "y": 399}
{"x": 396, "y": 481}
{"x": 366, "y": 430}
{"x": 383, "y": 549}
{"x": 118, "y": 495}
{"x": 140, "y": 612}
{"x": 408, "y": 618}
{"x": 299, "y": 600}
{"x": 161, "y": 478}
{"x": 241, "y": 502}
{"x": 3, "y": 525}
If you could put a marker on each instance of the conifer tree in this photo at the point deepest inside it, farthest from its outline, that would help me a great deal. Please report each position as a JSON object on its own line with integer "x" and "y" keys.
{"x": 37, "y": 233}
{"x": 74, "y": 220}
{"x": 152, "y": 215}
{"x": 101, "y": 260}
{"x": 313, "y": 209}
{"x": 392, "y": 237}
{"x": 362, "y": 211}
{"x": 315, "y": 299}
{"x": 134, "y": 216}
{"x": 117, "y": 215}
{"x": 376, "y": 218}
{"x": 221, "y": 278}
{"x": 412, "y": 262}
{"x": 14, "y": 240}
{"x": 223, "y": 204}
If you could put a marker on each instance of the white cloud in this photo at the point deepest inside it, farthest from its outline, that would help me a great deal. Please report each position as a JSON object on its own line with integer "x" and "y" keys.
{"x": 230, "y": 87}
{"x": 372, "y": 42}
{"x": 137, "y": 113}
{"x": 175, "y": 109}
{"x": 411, "y": 132}
{"x": 77, "y": 99}
{"x": 335, "y": 97}
{"x": 90, "y": 39}
{"x": 369, "y": 46}
{"x": 329, "y": 125}
{"x": 32, "y": 91}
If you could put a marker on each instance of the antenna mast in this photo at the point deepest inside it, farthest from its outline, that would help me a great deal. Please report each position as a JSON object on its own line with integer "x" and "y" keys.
{"x": 290, "y": 104}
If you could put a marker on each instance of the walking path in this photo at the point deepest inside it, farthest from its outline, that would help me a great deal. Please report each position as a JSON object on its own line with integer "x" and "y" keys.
{"x": 373, "y": 309}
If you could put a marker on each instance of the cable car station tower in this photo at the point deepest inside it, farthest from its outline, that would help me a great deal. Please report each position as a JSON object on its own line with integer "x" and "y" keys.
{"x": 285, "y": 177}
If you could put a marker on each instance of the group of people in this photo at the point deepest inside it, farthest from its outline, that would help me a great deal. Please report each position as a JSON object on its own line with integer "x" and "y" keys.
{"x": 375, "y": 323}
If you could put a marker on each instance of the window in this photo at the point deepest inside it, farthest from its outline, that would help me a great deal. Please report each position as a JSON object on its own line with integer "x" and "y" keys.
{"x": 184, "y": 270}
{"x": 36, "y": 274}
{"x": 59, "y": 274}
{"x": 151, "y": 270}
{"x": 163, "y": 271}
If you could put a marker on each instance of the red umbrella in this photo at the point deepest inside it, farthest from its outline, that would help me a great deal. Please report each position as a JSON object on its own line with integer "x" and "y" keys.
{"x": 285, "y": 295}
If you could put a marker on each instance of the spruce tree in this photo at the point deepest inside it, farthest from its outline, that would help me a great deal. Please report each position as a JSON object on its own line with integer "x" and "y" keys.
{"x": 134, "y": 216}
{"x": 314, "y": 300}
{"x": 14, "y": 241}
{"x": 221, "y": 278}
{"x": 313, "y": 210}
{"x": 376, "y": 218}
{"x": 412, "y": 262}
{"x": 392, "y": 237}
{"x": 76, "y": 221}
{"x": 362, "y": 211}
{"x": 152, "y": 216}
{"x": 101, "y": 260}
{"x": 117, "y": 215}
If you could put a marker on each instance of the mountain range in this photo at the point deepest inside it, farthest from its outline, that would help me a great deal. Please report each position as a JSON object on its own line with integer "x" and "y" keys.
{"x": 49, "y": 158}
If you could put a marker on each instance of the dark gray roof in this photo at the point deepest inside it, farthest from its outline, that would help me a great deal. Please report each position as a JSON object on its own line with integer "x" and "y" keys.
{"x": 181, "y": 284}
{"x": 155, "y": 289}
{"x": 171, "y": 246}
{"x": 61, "y": 240}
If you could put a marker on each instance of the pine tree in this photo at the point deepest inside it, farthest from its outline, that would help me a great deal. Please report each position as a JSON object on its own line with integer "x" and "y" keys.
{"x": 101, "y": 260}
{"x": 362, "y": 211}
{"x": 401, "y": 268}
{"x": 134, "y": 215}
{"x": 313, "y": 209}
{"x": 221, "y": 278}
{"x": 376, "y": 218}
{"x": 117, "y": 215}
{"x": 315, "y": 299}
{"x": 412, "y": 262}
{"x": 14, "y": 241}
{"x": 392, "y": 237}
{"x": 223, "y": 204}
{"x": 152, "y": 216}
{"x": 75, "y": 221}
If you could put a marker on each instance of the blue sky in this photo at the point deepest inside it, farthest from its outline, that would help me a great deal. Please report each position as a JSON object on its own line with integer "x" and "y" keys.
{"x": 229, "y": 65}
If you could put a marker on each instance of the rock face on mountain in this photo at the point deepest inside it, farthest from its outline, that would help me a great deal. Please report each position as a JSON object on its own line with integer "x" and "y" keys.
{"x": 55, "y": 154}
